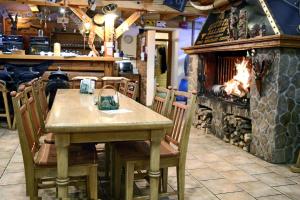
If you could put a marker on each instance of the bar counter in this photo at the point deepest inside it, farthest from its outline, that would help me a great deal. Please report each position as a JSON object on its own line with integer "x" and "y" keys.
{"x": 74, "y": 66}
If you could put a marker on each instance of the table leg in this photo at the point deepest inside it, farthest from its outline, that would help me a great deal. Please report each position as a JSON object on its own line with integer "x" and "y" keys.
{"x": 62, "y": 142}
{"x": 154, "y": 172}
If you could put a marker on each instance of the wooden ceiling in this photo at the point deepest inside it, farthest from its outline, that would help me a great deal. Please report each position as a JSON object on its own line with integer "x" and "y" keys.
{"x": 149, "y": 6}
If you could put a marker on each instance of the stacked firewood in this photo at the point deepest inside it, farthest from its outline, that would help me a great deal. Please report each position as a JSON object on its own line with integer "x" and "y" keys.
{"x": 203, "y": 118}
{"x": 237, "y": 131}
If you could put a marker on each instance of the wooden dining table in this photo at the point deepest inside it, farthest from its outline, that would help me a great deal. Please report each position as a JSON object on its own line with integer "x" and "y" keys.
{"x": 74, "y": 118}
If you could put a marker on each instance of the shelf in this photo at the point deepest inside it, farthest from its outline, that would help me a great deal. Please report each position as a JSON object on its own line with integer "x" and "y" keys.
{"x": 247, "y": 44}
{"x": 38, "y": 57}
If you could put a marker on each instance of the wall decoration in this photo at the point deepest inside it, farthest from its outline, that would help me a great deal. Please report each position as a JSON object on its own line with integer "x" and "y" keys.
{"x": 176, "y": 4}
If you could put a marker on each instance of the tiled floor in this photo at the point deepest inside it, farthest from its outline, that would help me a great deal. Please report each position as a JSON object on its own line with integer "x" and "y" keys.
{"x": 215, "y": 171}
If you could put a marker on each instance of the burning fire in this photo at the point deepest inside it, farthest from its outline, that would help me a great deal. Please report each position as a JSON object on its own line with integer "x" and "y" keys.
{"x": 240, "y": 83}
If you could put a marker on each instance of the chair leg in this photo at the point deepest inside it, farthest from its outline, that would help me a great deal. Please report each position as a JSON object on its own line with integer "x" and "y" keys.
{"x": 6, "y": 107}
{"x": 14, "y": 123}
{"x": 116, "y": 179}
{"x": 164, "y": 180}
{"x": 33, "y": 188}
{"x": 93, "y": 183}
{"x": 107, "y": 159}
{"x": 180, "y": 182}
{"x": 129, "y": 177}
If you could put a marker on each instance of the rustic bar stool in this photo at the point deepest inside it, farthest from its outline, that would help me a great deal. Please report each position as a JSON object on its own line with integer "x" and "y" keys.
{"x": 6, "y": 111}
{"x": 132, "y": 89}
{"x": 40, "y": 161}
{"x": 135, "y": 155}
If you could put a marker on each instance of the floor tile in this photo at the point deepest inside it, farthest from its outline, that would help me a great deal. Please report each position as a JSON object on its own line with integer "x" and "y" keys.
{"x": 258, "y": 189}
{"x": 235, "y": 196}
{"x": 13, "y": 192}
{"x": 222, "y": 166}
{"x": 253, "y": 168}
{"x": 219, "y": 186}
{"x": 295, "y": 179}
{"x": 208, "y": 157}
{"x": 172, "y": 171}
{"x": 238, "y": 160}
{"x": 238, "y": 176}
{"x": 277, "y": 197}
{"x": 1, "y": 171}
{"x": 273, "y": 179}
{"x": 195, "y": 164}
{"x": 205, "y": 174}
{"x": 283, "y": 171}
{"x": 199, "y": 194}
{"x": 12, "y": 178}
{"x": 190, "y": 156}
{"x": 292, "y": 191}
{"x": 190, "y": 182}
{"x": 6, "y": 154}
{"x": 4, "y": 162}
{"x": 17, "y": 158}
{"x": 15, "y": 167}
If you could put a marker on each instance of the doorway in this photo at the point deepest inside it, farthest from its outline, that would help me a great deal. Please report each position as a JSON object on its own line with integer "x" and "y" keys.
{"x": 163, "y": 58}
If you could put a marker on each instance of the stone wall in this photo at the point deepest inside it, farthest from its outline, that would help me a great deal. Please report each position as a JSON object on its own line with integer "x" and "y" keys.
{"x": 193, "y": 72}
{"x": 276, "y": 113}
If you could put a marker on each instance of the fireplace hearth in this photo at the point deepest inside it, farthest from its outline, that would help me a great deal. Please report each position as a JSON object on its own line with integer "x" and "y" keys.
{"x": 263, "y": 116}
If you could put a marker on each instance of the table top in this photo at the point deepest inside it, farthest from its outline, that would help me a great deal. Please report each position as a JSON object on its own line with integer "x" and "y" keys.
{"x": 75, "y": 112}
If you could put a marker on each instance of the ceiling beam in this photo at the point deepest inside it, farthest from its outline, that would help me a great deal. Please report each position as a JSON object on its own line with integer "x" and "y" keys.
{"x": 155, "y": 6}
{"x": 127, "y": 23}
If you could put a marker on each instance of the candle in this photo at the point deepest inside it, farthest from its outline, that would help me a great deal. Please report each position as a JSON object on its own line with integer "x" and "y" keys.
{"x": 57, "y": 48}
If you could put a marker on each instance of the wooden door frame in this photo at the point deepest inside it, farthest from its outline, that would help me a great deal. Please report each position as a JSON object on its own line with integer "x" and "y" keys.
{"x": 170, "y": 54}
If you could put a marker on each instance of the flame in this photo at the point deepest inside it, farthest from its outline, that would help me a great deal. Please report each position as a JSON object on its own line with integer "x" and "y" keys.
{"x": 240, "y": 83}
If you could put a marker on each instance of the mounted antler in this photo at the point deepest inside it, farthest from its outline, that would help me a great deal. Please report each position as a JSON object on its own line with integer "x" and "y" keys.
{"x": 14, "y": 23}
{"x": 216, "y": 4}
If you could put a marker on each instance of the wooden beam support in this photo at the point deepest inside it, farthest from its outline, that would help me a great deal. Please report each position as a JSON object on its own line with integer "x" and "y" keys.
{"x": 125, "y": 5}
{"x": 86, "y": 19}
{"x": 127, "y": 23}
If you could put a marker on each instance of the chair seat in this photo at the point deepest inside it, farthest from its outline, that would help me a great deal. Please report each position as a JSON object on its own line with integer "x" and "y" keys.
{"x": 49, "y": 138}
{"x": 138, "y": 150}
{"x": 78, "y": 154}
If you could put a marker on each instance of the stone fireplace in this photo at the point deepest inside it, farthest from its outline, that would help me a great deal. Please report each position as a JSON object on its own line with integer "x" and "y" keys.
{"x": 266, "y": 120}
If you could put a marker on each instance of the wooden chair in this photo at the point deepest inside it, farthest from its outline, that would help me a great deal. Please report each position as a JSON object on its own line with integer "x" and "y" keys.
{"x": 114, "y": 81}
{"x": 40, "y": 160}
{"x": 39, "y": 91}
{"x": 135, "y": 155}
{"x": 75, "y": 81}
{"x": 132, "y": 89}
{"x": 6, "y": 111}
{"x": 31, "y": 96}
{"x": 123, "y": 86}
{"x": 160, "y": 100}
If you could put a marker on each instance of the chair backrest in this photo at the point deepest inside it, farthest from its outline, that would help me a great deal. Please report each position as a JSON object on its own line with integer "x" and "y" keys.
{"x": 182, "y": 114}
{"x": 123, "y": 86}
{"x": 161, "y": 100}
{"x": 35, "y": 112}
{"x": 3, "y": 86}
{"x": 29, "y": 146}
{"x": 39, "y": 89}
{"x": 132, "y": 89}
